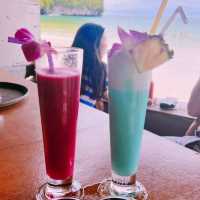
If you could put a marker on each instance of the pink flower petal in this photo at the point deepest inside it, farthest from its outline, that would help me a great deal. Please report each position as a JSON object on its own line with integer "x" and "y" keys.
{"x": 32, "y": 50}
{"x": 24, "y": 35}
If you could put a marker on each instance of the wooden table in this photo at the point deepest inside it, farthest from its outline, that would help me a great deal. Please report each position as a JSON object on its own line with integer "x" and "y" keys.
{"x": 169, "y": 171}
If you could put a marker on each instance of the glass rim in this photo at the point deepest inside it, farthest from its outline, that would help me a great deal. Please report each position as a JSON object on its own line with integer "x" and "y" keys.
{"x": 114, "y": 197}
{"x": 62, "y": 49}
{"x": 67, "y": 198}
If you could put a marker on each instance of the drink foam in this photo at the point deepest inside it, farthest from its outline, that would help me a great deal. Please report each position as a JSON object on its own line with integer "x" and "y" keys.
{"x": 123, "y": 73}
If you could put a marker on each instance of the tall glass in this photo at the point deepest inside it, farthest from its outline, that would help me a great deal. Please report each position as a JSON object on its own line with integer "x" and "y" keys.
{"x": 59, "y": 94}
{"x": 128, "y": 96}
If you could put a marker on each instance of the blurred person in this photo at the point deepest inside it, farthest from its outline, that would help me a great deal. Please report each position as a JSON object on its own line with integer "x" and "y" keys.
{"x": 91, "y": 38}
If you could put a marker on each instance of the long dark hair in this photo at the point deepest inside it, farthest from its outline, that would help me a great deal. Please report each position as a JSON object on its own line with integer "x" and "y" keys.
{"x": 88, "y": 37}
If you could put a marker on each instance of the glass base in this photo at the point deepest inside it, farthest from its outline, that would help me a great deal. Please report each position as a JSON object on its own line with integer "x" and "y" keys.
{"x": 59, "y": 192}
{"x": 108, "y": 189}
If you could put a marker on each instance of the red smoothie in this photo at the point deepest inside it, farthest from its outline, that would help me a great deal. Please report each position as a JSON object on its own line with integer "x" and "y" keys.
{"x": 59, "y": 95}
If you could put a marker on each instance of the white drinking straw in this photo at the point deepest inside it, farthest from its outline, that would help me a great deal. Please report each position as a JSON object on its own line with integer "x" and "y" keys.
{"x": 178, "y": 11}
{"x": 46, "y": 46}
{"x": 50, "y": 61}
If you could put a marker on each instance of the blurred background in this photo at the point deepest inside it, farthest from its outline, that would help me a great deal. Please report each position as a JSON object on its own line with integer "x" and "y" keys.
{"x": 58, "y": 20}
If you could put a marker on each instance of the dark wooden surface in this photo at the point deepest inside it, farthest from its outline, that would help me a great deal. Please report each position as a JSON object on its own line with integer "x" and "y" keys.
{"x": 169, "y": 171}
{"x": 179, "y": 110}
{"x": 168, "y": 122}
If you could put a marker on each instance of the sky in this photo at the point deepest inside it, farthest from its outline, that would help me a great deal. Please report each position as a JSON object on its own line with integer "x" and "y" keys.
{"x": 142, "y": 4}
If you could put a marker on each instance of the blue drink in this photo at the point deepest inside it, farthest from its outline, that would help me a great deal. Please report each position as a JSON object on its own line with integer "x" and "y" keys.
{"x": 128, "y": 95}
{"x": 127, "y": 115}
{"x": 129, "y": 66}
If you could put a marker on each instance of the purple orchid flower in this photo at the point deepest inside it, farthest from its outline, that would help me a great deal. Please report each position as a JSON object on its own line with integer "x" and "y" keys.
{"x": 146, "y": 51}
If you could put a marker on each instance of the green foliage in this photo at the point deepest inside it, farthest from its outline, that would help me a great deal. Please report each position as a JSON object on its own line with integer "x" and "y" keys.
{"x": 96, "y": 5}
{"x": 46, "y": 3}
{"x": 91, "y": 4}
